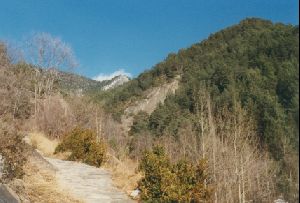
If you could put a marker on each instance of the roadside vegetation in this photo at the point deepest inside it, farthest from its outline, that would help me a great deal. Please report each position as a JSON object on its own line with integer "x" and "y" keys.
{"x": 84, "y": 146}
{"x": 173, "y": 182}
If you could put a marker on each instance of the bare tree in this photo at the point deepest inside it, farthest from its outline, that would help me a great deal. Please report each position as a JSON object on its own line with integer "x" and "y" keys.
{"x": 239, "y": 169}
{"x": 47, "y": 53}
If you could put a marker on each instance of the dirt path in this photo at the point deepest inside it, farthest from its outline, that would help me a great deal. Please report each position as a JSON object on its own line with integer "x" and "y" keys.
{"x": 92, "y": 185}
{"x": 81, "y": 181}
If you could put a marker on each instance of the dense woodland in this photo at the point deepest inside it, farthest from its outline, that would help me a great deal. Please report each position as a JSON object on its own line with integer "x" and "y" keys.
{"x": 255, "y": 63}
{"x": 230, "y": 132}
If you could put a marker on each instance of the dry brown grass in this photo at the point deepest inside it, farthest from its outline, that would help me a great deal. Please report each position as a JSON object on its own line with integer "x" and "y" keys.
{"x": 45, "y": 145}
{"x": 42, "y": 143}
{"x": 124, "y": 173}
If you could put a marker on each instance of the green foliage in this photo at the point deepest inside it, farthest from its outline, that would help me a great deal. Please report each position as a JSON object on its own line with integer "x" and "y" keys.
{"x": 140, "y": 124}
{"x": 167, "y": 182}
{"x": 83, "y": 145}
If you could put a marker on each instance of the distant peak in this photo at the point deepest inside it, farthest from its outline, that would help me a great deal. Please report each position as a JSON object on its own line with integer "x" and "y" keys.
{"x": 110, "y": 76}
{"x": 122, "y": 76}
{"x": 116, "y": 81}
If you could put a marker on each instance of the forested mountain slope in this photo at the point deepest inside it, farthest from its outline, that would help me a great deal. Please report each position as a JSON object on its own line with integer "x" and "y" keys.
{"x": 254, "y": 63}
{"x": 251, "y": 67}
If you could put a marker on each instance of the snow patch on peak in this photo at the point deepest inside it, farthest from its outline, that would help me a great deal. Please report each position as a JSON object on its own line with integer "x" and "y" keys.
{"x": 110, "y": 76}
{"x": 116, "y": 81}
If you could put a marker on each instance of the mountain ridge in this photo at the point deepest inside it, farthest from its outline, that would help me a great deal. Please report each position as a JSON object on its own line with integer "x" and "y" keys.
{"x": 71, "y": 81}
{"x": 116, "y": 81}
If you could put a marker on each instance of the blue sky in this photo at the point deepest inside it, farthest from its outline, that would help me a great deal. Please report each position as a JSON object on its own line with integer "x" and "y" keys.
{"x": 133, "y": 35}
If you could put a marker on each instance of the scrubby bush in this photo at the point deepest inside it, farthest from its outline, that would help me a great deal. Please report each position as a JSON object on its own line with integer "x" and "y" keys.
{"x": 84, "y": 146}
{"x": 13, "y": 154}
{"x": 172, "y": 182}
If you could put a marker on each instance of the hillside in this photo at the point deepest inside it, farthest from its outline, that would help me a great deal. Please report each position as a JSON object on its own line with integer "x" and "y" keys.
{"x": 70, "y": 81}
{"x": 67, "y": 82}
{"x": 253, "y": 65}
{"x": 255, "y": 62}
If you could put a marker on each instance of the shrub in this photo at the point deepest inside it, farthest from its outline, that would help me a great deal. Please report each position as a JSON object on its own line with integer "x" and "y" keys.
{"x": 84, "y": 146}
{"x": 13, "y": 151}
{"x": 167, "y": 182}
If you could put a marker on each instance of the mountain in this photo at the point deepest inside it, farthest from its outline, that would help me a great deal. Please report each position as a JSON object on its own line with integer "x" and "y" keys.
{"x": 73, "y": 82}
{"x": 116, "y": 81}
{"x": 254, "y": 63}
{"x": 249, "y": 70}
